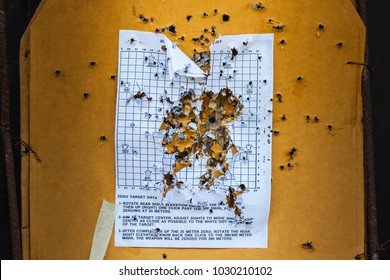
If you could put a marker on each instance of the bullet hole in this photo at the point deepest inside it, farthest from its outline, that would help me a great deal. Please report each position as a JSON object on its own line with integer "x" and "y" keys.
{"x": 257, "y": 6}
{"x": 213, "y": 32}
{"x": 215, "y": 11}
{"x": 281, "y": 167}
{"x": 205, "y": 14}
{"x": 282, "y": 42}
{"x": 198, "y": 39}
{"x": 113, "y": 77}
{"x": 234, "y": 53}
{"x": 188, "y": 18}
{"x": 321, "y": 26}
{"x": 292, "y": 152}
{"x": 205, "y": 41}
{"x": 103, "y": 138}
{"x": 92, "y": 63}
{"x": 279, "y": 27}
{"x": 330, "y": 128}
{"x": 225, "y": 18}
{"x": 172, "y": 29}
{"x": 26, "y": 151}
{"x": 242, "y": 187}
{"x": 316, "y": 119}
{"x": 299, "y": 78}
{"x": 283, "y": 118}
{"x": 85, "y": 95}
{"x": 340, "y": 44}
{"x": 308, "y": 245}
{"x": 142, "y": 18}
{"x": 164, "y": 256}
{"x": 359, "y": 257}
{"x": 212, "y": 119}
{"x": 280, "y": 97}
{"x": 58, "y": 73}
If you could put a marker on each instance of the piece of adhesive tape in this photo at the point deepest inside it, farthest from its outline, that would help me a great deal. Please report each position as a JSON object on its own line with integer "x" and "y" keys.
{"x": 103, "y": 231}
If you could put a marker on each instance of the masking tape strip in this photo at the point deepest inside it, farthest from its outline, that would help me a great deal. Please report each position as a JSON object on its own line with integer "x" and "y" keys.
{"x": 103, "y": 230}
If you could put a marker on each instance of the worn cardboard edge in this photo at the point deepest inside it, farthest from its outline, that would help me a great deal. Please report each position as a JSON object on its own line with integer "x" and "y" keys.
{"x": 25, "y": 136}
{"x": 360, "y": 194}
{"x": 24, "y": 72}
{"x": 360, "y": 160}
{"x": 37, "y": 11}
{"x": 370, "y": 211}
{"x": 351, "y": 7}
{"x": 24, "y": 66}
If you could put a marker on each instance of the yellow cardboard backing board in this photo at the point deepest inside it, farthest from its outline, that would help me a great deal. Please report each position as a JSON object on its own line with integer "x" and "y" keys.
{"x": 319, "y": 199}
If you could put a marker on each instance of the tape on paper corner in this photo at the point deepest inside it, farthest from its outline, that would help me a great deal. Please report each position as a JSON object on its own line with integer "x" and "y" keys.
{"x": 103, "y": 230}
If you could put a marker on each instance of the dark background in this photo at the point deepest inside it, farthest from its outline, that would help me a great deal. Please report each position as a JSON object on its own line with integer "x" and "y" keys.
{"x": 19, "y": 13}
